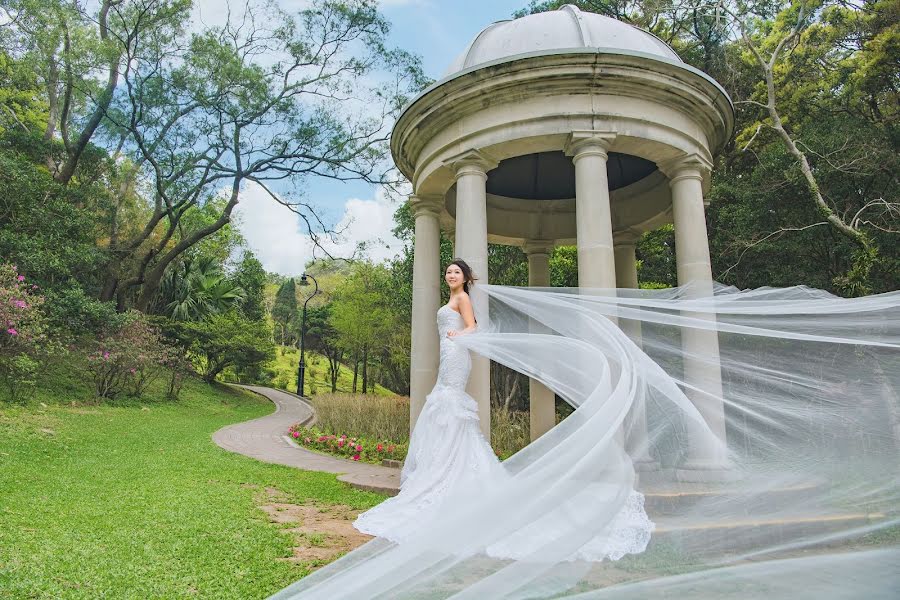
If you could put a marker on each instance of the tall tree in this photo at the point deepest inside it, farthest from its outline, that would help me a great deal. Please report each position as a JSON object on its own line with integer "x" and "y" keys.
{"x": 267, "y": 98}
{"x": 284, "y": 312}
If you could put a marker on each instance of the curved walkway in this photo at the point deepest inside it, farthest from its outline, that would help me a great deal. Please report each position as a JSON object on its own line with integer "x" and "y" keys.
{"x": 265, "y": 439}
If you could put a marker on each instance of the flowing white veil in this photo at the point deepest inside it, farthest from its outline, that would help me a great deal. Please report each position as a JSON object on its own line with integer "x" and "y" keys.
{"x": 762, "y": 426}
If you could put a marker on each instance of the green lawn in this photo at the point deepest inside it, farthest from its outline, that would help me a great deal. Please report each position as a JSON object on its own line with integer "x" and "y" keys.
{"x": 134, "y": 500}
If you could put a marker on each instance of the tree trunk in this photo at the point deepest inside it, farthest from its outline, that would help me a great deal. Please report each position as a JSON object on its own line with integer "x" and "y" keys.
{"x": 365, "y": 369}
{"x": 355, "y": 370}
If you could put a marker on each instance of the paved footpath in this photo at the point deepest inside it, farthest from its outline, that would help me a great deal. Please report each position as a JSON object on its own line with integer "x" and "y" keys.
{"x": 266, "y": 439}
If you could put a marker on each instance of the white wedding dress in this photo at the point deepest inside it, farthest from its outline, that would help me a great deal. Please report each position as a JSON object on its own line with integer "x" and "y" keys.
{"x": 449, "y": 461}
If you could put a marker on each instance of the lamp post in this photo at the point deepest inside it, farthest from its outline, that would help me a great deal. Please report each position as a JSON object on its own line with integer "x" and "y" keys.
{"x": 301, "y": 370}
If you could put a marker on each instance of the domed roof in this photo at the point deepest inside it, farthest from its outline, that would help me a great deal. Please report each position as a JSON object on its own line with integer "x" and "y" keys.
{"x": 566, "y": 28}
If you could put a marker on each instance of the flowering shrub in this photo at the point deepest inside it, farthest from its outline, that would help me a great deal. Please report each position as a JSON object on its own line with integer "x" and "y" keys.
{"x": 130, "y": 359}
{"x": 23, "y": 332}
{"x": 354, "y": 448}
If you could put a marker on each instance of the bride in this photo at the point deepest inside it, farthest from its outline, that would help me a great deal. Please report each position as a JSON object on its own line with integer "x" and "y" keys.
{"x": 449, "y": 460}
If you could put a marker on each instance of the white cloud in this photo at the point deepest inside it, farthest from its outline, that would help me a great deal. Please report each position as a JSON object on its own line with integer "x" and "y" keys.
{"x": 280, "y": 241}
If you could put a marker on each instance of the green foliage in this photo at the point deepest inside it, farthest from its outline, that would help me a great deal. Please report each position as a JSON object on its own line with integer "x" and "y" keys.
{"x": 284, "y": 312}
{"x": 224, "y": 340}
{"x": 655, "y": 253}
{"x": 24, "y": 339}
{"x": 130, "y": 359}
{"x": 251, "y": 278}
{"x": 195, "y": 289}
{"x": 353, "y": 448}
{"x": 73, "y": 314}
{"x": 49, "y": 231}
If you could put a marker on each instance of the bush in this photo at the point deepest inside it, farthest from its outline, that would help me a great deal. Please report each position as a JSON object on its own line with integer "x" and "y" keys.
{"x": 364, "y": 415}
{"x": 23, "y": 333}
{"x": 224, "y": 341}
{"x": 371, "y": 417}
{"x": 130, "y": 359}
{"x": 354, "y": 448}
{"x": 69, "y": 310}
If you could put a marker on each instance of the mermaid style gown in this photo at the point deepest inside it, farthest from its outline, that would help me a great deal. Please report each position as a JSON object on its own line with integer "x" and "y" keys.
{"x": 450, "y": 461}
{"x": 448, "y": 455}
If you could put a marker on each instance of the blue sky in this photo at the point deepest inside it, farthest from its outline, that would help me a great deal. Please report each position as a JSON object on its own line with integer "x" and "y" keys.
{"x": 435, "y": 30}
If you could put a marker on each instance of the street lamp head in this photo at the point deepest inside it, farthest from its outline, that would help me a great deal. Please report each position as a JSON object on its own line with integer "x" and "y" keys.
{"x": 304, "y": 280}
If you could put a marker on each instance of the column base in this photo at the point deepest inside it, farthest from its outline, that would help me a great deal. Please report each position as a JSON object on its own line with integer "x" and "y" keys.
{"x": 702, "y": 471}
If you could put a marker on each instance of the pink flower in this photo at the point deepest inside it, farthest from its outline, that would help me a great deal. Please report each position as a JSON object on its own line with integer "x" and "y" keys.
{"x": 391, "y": 448}
{"x": 358, "y": 447}
{"x": 12, "y": 331}
{"x": 340, "y": 443}
{"x": 356, "y": 456}
{"x": 132, "y": 371}
{"x": 379, "y": 447}
{"x": 21, "y": 304}
{"x": 106, "y": 356}
{"x": 20, "y": 278}
{"x": 322, "y": 438}
{"x": 296, "y": 434}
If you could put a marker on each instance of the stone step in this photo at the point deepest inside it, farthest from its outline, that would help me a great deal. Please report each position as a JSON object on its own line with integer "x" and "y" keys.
{"x": 676, "y": 498}
{"x": 740, "y": 535}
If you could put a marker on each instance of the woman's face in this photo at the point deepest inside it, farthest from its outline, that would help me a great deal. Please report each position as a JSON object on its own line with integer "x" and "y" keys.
{"x": 454, "y": 276}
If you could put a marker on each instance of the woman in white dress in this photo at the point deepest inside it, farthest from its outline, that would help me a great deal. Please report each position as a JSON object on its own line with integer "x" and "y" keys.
{"x": 449, "y": 461}
{"x": 448, "y": 454}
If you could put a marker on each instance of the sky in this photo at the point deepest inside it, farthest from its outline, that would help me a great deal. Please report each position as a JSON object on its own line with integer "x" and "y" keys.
{"x": 435, "y": 30}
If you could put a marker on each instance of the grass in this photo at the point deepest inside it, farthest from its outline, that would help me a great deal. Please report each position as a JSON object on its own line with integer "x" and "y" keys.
{"x": 133, "y": 499}
{"x": 317, "y": 379}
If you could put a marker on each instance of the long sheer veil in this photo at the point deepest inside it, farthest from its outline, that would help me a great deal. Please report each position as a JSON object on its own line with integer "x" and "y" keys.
{"x": 763, "y": 427}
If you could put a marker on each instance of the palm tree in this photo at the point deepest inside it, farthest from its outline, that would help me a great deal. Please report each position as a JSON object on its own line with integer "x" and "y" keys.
{"x": 196, "y": 289}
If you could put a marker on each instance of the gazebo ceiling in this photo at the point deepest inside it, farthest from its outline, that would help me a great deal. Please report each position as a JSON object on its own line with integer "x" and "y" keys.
{"x": 551, "y": 175}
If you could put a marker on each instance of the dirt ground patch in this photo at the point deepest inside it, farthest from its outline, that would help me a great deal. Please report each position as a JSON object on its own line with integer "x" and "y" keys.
{"x": 321, "y": 533}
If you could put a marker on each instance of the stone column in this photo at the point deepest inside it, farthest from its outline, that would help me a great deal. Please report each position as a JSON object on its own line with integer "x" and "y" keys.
{"x": 707, "y": 458}
{"x": 626, "y": 278}
{"x": 426, "y": 300}
{"x": 593, "y": 216}
{"x": 542, "y": 403}
{"x": 471, "y": 169}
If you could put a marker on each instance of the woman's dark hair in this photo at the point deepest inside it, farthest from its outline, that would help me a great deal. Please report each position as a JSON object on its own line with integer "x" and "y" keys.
{"x": 468, "y": 276}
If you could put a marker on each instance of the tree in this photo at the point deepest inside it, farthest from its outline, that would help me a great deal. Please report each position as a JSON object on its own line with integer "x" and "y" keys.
{"x": 250, "y": 276}
{"x": 195, "y": 289}
{"x": 284, "y": 311}
{"x": 361, "y": 315}
{"x": 322, "y": 337}
{"x": 225, "y": 340}
{"x": 189, "y": 119}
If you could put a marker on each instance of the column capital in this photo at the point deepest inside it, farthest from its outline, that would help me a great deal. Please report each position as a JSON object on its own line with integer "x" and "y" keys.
{"x": 426, "y": 205}
{"x": 536, "y": 247}
{"x": 626, "y": 238}
{"x": 471, "y": 161}
{"x": 687, "y": 166}
{"x": 589, "y": 142}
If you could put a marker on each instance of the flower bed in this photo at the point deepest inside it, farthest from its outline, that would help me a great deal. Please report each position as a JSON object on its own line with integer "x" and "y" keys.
{"x": 353, "y": 448}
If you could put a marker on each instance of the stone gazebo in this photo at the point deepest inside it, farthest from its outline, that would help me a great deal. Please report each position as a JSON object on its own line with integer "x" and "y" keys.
{"x": 561, "y": 128}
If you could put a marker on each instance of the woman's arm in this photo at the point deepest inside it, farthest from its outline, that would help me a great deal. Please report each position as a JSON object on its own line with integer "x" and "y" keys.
{"x": 468, "y": 315}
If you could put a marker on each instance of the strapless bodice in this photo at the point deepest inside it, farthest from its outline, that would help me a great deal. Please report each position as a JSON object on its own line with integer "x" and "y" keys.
{"x": 455, "y": 362}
